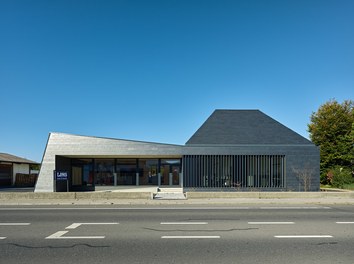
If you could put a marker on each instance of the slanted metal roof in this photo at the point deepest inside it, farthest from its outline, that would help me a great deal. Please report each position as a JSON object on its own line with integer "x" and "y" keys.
{"x": 4, "y": 157}
{"x": 239, "y": 127}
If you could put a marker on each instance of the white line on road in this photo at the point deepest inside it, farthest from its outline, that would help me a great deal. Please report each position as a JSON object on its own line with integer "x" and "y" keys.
{"x": 305, "y": 236}
{"x": 159, "y": 208}
{"x": 271, "y": 223}
{"x": 184, "y": 223}
{"x": 188, "y": 237}
{"x": 293, "y": 208}
{"x": 75, "y": 225}
{"x": 14, "y": 224}
{"x": 59, "y": 235}
{"x": 345, "y": 223}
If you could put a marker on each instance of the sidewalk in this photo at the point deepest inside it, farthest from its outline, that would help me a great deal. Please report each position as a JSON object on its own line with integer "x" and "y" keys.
{"x": 193, "y": 198}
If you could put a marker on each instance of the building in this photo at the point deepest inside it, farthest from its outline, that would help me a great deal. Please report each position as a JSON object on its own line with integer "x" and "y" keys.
{"x": 233, "y": 150}
{"x": 17, "y": 171}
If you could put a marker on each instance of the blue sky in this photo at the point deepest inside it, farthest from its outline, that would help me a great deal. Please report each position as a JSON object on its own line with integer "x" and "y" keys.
{"x": 155, "y": 70}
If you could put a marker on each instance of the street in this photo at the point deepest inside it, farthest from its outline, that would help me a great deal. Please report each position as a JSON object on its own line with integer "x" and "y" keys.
{"x": 180, "y": 234}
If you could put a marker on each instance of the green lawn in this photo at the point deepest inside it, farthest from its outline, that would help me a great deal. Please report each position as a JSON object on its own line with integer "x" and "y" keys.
{"x": 349, "y": 186}
{"x": 346, "y": 187}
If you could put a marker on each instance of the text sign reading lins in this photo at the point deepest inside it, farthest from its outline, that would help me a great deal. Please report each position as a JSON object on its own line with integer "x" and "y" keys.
{"x": 61, "y": 175}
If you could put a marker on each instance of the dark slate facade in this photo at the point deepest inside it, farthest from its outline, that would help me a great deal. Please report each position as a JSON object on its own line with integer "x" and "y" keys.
{"x": 250, "y": 150}
{"x": 244, "y": 127}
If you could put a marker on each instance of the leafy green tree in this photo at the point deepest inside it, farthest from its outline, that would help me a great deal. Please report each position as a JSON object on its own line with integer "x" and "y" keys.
{"x": 332, "y": 129}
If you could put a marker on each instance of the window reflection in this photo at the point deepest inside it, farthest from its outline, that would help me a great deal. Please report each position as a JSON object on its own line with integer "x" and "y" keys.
{"x": 82, "y": 172}
{"x": 104, "y": 169}
{"x": 148, "y": 169}
{"x": 126, "y": 171}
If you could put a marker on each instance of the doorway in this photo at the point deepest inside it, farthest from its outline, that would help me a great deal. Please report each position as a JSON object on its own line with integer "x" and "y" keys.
{"x": 170, "y": 171}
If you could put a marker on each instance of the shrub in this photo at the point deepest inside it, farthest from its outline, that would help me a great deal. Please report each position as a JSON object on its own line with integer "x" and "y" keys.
{"x": 324, "y": 178}
{"x": 339, "y": 177}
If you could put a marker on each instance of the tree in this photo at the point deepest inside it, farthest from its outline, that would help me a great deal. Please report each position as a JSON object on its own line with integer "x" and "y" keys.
{"x": 332, "y": 129}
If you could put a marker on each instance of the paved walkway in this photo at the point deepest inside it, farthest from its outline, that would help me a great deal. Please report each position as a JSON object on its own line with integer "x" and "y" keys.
{"x": 191, "y": 202}
{"x": 143, "y": 195}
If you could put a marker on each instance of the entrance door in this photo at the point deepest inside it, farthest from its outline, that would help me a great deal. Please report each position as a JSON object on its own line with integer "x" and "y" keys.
{"x": 170, "y": 169}
{"x": 148, "y": 171}
{"x": 175, "y": 174}
{"x": 169, "y": 174}
{"x": 165, "y": 170}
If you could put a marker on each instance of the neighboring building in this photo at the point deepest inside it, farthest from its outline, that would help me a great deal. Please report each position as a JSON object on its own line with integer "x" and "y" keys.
{"x": 17, "y": 171}
{"x": 232, "y": 150}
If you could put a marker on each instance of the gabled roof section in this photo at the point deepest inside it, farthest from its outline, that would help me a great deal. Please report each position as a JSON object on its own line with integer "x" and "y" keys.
{"x": 240, "y": 127}
{"x": 4, "y": 157}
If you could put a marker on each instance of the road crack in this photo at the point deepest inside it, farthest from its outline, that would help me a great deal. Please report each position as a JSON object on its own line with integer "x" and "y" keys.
{"x": 55, "y": 247}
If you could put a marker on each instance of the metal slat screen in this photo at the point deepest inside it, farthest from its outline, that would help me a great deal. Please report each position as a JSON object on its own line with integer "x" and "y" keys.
{"x": 234, "y": 171}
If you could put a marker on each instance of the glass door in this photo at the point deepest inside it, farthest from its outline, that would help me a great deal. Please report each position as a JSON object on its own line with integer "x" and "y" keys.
{"x": 175, "y": 174}
{"x": 170, "y": 169}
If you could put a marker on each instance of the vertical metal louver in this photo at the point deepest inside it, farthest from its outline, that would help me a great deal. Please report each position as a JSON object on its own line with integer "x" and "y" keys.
{"x": 234, "y": 171}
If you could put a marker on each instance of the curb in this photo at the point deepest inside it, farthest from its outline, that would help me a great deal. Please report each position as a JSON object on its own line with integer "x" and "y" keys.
{"x": 193, "y": 198}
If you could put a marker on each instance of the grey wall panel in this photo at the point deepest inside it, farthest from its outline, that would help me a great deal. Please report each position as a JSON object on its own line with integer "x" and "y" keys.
{"x": 81, "y": 146}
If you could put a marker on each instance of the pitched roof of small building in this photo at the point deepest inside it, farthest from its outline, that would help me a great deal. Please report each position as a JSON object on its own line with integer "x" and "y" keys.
{"x": 14, "y": 159}
{"x": 236, "y": 127}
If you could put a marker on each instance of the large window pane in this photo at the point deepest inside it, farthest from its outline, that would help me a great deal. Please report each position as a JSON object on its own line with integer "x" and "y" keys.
{"x": 82, "y": 172}
{"x": 148, "y": 169}
{"x": 126, "y": 171}
{"x": 104, "y": 169}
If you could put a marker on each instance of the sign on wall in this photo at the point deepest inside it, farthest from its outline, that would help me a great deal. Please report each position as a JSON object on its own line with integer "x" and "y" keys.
{"x": 61, "y": 175}
{"x": 61, "y": 181}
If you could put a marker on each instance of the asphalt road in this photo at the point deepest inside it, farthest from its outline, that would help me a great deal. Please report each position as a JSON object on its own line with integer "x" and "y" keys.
{"x": 273, "y": 234}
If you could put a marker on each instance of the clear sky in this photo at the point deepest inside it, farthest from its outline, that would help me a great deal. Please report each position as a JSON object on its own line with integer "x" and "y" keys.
{"x": 155, "y": 70}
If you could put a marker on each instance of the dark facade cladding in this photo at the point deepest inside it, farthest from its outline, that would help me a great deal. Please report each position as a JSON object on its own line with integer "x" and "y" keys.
{"x": 234, "y": 150}
{"x": 247, "y": 149}
{"x": 288, "y": 168}
{"x": 235, "y": 171}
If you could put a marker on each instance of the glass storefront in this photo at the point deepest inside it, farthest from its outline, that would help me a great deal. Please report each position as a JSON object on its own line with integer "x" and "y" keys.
{"x": 148, "y": 171}
{"x": 170, "y": 169}
{"x": 104, "y": 169}
{"x": 125, "y": 171}
{"x": 82, "y": 173}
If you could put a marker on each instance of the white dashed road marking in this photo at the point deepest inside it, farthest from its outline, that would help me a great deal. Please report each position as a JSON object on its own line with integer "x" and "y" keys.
{"x": 59, "y": 235}
{"x": 271, "y": 223}
{"x": 294, "y": 208}
{"x": 305, "y": 236}
{"x": 188, "y": 237}
{"x": 75, "y": 225}
{"x": 14, "y": 224}
{"x": 184, "y": 223}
